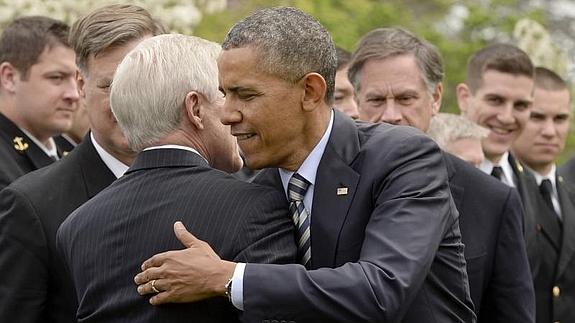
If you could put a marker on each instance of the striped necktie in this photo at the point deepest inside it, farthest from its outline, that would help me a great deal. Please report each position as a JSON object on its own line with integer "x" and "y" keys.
{"x": 296, "y": 191}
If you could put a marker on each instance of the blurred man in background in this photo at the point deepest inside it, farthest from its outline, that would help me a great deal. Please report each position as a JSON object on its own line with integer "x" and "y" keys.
{"x": 458, "y": 136}
{"x": 551, "y": 247}
{"x": 398, "y": 80}
{"x": 344, "y": 98}
{"x": 38, "y": 94}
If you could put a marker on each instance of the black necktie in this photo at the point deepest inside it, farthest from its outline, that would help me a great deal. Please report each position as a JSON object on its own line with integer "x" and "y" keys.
{"x": 546, "y": 189}
{"x": 497, "y": 172}
{"x": 297, "y": 188}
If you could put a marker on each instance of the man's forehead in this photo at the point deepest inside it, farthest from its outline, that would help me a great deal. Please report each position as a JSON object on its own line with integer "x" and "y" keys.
{"x": 494, "y": 79}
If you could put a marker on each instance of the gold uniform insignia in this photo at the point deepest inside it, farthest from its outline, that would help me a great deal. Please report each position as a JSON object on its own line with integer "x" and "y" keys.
{"x": 519, "y": 167}
{"x": 20, "y": 144}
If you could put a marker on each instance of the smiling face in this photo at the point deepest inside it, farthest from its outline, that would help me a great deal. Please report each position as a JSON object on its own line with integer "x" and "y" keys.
{"x": 264, "y": 111}
{"x": 502, "y": 105}
{"x": 544, "y": 135}
{"x": 45, "y": 100}
{"x": 392, "y": 90}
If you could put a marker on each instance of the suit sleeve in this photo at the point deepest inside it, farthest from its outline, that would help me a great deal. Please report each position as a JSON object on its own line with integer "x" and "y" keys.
{"x": 510, "y": 297}
{"x": 23, "y": 249}
{"x": 411, "y": 212}
{"x": 268, "y": 235}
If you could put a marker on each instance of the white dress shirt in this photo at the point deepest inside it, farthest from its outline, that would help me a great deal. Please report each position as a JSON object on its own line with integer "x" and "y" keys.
{"x": 486, "y": 166}
{"x": 117, "y": 167}
{"x": 554, "y": 195}
{"x": 51, "y": 151}
{"x": 308, "y": 170}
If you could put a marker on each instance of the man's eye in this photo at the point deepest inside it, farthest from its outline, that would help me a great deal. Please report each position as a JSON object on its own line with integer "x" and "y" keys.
{"x": 495, "y": 100}
{"x": 405, "y": 100}
{"x": 247, "y": 96}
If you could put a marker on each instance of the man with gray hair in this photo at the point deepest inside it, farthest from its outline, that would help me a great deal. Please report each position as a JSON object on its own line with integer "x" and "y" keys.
{"x": 398, "y": 80}
{"x": 458, "y": 136}
{"x": 378, "y": 237}
{"x": 171, "y": 112}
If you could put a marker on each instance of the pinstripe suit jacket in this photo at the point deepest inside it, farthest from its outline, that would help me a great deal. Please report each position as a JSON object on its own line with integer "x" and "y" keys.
{"x": 105, "y": 241}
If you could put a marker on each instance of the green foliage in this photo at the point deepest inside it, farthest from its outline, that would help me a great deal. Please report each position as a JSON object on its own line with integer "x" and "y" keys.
{"x": 486, "y": 21}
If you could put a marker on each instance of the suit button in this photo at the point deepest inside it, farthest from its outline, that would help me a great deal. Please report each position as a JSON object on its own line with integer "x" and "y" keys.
{"x": 556, "y": 291}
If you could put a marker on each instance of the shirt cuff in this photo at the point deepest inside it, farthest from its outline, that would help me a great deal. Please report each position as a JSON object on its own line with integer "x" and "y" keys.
{"x": 238, "y": 286}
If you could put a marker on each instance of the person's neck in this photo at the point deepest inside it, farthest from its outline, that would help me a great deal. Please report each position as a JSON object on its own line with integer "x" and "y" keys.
{"x": 541, "y": 169}
{"x": 494, "y": 159}
{"x": 126, "y": 159}
{"x": 186, "y": 139}
{"x": 311, "y": 136}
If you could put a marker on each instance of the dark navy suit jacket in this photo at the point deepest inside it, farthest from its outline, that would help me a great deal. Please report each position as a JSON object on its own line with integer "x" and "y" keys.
{"x": 491, "y": 222}
{"x": 387, "y": 251}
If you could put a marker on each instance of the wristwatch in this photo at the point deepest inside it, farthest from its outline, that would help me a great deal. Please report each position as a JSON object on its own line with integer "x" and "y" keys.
{"x": 228, "y": 287}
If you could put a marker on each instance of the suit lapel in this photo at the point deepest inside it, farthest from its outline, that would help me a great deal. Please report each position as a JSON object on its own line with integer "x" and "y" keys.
{"x": 335, "y": 187}
{"x": 567, "y": 200}
{"x": 547, "y": 222}
{"x": 456, "y": 190}
{"x": 97, "y": 175}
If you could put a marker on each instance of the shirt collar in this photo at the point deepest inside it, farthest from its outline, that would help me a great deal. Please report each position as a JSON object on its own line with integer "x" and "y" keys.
{"x": 117, "y": 167}
{"x": 486, "y": 166}
{"x": 51, "y": 152}
{"x": 550, "y": 176}
{"x": 177, "y": 147}
{"x": 308, "y": 168}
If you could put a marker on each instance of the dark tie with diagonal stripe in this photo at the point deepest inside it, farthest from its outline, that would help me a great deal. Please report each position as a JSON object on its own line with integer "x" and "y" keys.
{"x": 296, "y": 191}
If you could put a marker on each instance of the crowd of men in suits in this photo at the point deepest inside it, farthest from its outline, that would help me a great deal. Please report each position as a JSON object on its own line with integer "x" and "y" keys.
{"x": 366, "y": 220}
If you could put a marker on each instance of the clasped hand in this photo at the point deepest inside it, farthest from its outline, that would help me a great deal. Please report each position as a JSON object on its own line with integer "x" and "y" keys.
{"x": 186, "y": 275}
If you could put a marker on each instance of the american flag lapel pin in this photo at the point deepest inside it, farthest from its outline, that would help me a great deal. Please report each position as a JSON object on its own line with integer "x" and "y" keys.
{"x": 342, "y": 191}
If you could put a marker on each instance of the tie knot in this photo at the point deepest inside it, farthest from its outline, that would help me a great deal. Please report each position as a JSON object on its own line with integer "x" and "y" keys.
{"x": 297, "y": 187}
{"x": 497, "y": 172}
{"x": 546, "y": 186}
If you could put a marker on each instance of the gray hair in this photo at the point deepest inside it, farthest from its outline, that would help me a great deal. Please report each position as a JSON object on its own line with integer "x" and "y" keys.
{"x": 382, "y": 43}
{"x": 291, "y": 44}
{"x": 446, "y": 127}
{"x": 151, "y": 83}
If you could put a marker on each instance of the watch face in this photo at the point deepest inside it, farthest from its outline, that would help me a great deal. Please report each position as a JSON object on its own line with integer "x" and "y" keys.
{"x": 228, "y": 288}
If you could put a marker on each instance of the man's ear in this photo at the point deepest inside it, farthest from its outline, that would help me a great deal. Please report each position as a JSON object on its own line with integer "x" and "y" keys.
{"x": 315, "y": 88}
{"x": 8, "y": 76}
{"x": 81, "y": 83}
{"x": 437, "y": 96}
{"x": 192, "y": 109}
{"x": 463, "y": 95}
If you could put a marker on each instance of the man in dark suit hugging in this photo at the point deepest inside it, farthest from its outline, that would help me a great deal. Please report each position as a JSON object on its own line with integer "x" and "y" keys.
{"x": 169, "y": 112}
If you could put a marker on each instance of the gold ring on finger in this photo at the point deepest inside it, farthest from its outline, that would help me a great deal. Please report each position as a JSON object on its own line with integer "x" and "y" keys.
{"x": 154, "y": 286}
